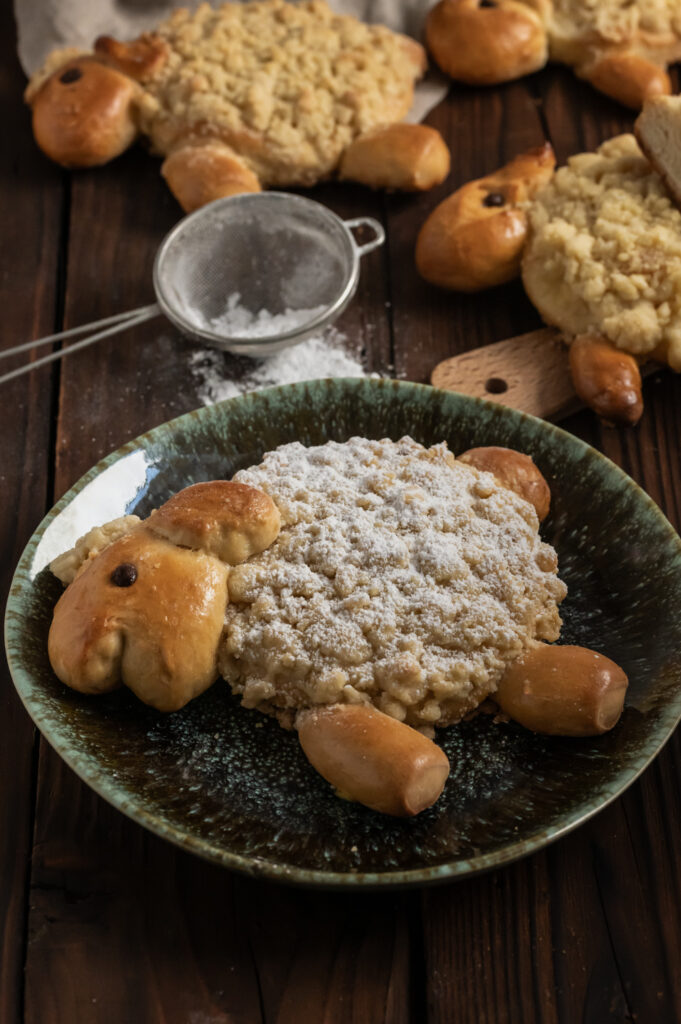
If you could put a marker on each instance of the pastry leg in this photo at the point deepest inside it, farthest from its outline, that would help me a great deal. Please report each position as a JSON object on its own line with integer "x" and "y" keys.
{"x": 606, "y": 379}
{"x": 372, "y": 758}
{"x": 198, "y": 174}
{"x": 629, "y": 79}
{"x": 408, "y": 157}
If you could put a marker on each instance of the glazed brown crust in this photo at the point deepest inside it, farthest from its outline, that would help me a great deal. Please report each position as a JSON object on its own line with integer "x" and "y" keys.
{"x": 84, "y": 113}
{"x": 483, "y": 45}
{"x": 372, "y": 758}
{"x": 474, "y": 239}
{"x": 159, "y": 635}
{"x": 406, "y": 157}
{"x": 199, "y": 173}
{"x": 563, "y": 691}
{"x": 513, "y": 470}
{"x": 229, "y": 520}
{"x": 627, "y": 78}
{"x": 139, "y": 59}
{"x": 607, "y": 379}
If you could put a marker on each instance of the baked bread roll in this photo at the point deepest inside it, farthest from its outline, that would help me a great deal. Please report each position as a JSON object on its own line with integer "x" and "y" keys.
{"x": 223, "y": 518}
{"x": 146, "y": 603}
{"x": 84, "y": 113}
{"x": 621, "y": 46}
{"x": 372, "y": 758}
{"x": 239, "y": 97}
{"x": 483, "y": 42}
{"x": 405, "y": 157}
{"x": 563, "y": 691}
{"x": 514, "y": 470}
{"x": 474, "y": 239}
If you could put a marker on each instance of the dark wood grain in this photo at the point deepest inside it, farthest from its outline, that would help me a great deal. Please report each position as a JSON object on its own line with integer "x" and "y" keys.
{"x": 103, "y": 922}
{"x": 113, "y": 930}
{"x": 29, "y": 257}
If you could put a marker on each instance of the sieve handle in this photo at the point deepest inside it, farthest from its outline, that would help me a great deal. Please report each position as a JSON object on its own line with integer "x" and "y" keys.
{"x": 367, "y": 222}
{"x": 111, "y": 325}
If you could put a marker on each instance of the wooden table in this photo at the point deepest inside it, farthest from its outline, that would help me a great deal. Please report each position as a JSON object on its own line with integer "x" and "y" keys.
{"x": 103, "y": 923}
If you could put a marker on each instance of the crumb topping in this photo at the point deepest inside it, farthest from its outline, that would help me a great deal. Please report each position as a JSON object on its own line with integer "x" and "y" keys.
{"x": 401, "y": 578}
{"x": 289, "y": 85}
{"x": 605, "y": 251}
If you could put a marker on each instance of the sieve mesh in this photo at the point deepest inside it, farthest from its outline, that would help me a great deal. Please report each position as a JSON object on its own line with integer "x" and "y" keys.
{"x": 277, "y": 252}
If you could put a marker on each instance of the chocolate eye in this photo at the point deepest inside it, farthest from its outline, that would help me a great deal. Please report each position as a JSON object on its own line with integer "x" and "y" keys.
{"x": 124, "y": 575}
{"x": 487, "y": 3}
{"x": 494, "y": 199}
{"x": 72, "y": 75}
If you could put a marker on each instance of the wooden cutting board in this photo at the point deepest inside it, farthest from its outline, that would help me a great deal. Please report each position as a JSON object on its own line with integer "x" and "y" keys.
{"x": 529, "y": 372}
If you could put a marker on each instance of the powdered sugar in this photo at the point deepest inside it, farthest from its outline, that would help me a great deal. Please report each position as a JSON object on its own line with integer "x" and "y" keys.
{"x": 238, "y": 322}
{"x": 401, "y": 577}
{"x": 321, "y": 356}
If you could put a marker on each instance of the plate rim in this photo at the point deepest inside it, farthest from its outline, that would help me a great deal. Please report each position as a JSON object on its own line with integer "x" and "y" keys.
{"x": 114, "y": 793}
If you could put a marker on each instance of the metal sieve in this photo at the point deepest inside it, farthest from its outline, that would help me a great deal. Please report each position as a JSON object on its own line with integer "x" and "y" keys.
{"x": 268, "y": 251}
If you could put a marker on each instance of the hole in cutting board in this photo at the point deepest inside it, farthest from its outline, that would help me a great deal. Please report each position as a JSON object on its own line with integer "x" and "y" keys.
{"x": 496, "y": 386}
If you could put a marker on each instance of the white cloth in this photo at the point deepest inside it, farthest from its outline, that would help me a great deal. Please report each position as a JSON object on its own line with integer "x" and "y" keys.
{"x": 45, "y": 25}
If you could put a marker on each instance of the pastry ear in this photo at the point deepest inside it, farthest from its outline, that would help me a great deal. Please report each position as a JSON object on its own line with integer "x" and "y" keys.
{"x": 199, "y": 173}
{"x": 223, "y": 518}
{"x": 137, "y": 59}
{"x": 483, "y": 42}
{"x": 83, "y": 114}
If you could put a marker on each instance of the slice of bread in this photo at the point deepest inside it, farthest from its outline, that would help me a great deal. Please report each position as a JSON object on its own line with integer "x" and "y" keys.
{"x": 658, "y": 130}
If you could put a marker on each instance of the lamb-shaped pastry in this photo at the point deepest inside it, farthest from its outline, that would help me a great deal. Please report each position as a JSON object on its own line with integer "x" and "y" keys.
{"x": 245, "y": 96}
{"x": 145, "y": 606}
{"x": 622, "y": 47}
{"x": 598, "y": 244}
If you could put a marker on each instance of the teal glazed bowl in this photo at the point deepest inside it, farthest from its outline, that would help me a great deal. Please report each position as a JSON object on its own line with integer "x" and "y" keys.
{"x": 232, "y": 786}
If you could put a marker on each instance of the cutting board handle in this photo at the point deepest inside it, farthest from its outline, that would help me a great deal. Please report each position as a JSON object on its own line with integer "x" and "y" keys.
{"x": 529, "y": 373}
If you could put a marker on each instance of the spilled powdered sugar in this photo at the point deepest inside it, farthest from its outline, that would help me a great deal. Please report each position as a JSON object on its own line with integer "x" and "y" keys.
{"x": 321, "y": 356}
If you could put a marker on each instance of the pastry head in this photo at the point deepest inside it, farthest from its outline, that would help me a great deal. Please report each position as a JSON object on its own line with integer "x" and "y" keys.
{"x": 84, "y": 113}
{"x": 148, "y": 610}
{"x": 146, "y": 614}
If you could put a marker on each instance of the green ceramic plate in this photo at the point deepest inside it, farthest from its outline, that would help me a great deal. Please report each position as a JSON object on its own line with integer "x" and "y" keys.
{"x": 232, "y": 786}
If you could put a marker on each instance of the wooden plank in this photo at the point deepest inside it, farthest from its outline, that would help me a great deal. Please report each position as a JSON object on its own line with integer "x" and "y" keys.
{"x": 549, "y": 940}
{"x": 643, "y": 929}
{"x": 123, "y": 925}
{"x": 28, "y": 274}
{"x": 331, "y": 958}
{"x": 108, "y": 935}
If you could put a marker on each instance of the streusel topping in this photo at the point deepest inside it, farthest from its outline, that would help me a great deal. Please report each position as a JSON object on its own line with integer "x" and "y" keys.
{"x": 619, "y": 21}
{"x": 401, "y": 577}
{"x": 289, "y": 85}
{"x": 604, "y": 251}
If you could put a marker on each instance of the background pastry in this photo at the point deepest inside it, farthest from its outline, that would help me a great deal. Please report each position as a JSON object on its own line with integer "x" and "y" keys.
{"x": 242, "y": 96}
{"x": 598, "y": 245}
{"x": 621, "y": 46}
